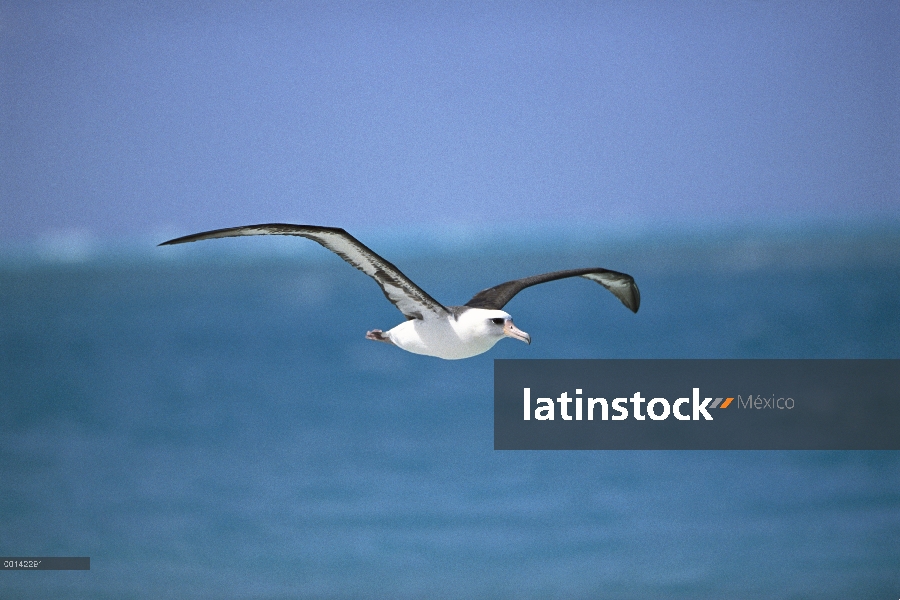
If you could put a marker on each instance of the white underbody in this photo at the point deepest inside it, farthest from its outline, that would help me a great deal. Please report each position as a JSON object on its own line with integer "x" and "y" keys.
{"x": 449, "y": 337}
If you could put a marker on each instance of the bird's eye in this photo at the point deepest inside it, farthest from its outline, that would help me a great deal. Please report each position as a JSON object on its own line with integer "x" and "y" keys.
{"x": 497, "y": 321}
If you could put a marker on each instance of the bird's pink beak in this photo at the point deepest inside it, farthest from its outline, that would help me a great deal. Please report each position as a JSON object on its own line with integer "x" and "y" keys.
{"x": 510, "y": 330}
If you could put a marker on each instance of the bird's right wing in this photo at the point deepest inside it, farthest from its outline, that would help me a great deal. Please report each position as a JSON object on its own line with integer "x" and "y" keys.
{"x": 412, "y": 300}
{"x": 621, "y": 285}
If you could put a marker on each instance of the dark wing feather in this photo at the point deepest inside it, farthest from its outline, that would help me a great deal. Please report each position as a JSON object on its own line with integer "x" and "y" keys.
{"x": 397, "y": 287}
{"x": 621, "y": 285}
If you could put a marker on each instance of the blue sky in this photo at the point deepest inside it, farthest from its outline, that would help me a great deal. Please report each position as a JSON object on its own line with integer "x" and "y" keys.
{"x": 120, "y": 119}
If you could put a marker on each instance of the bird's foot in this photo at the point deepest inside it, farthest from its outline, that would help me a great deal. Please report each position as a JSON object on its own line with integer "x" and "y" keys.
{"x": 376, "y": 335}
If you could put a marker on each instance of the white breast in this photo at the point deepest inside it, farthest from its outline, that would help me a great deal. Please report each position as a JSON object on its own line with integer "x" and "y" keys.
{"x": 447, "y": 338}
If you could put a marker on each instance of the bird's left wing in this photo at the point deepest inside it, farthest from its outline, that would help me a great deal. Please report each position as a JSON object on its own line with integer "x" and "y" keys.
{"x": 412, "y": 300}
{"x": 621, "y": 285}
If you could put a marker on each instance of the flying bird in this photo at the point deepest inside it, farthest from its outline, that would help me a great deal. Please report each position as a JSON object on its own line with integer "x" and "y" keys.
{"x": 449, "y": 332}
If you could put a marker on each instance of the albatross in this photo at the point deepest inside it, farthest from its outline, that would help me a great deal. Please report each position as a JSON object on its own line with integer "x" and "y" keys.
{"x": 432, "y": 329}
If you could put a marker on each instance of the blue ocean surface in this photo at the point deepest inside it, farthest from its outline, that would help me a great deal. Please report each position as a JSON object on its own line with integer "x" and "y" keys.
{"x": 208, "y": 421}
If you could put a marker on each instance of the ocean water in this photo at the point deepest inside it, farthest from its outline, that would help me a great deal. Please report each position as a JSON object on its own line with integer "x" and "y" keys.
{"x": 207, "y": 421}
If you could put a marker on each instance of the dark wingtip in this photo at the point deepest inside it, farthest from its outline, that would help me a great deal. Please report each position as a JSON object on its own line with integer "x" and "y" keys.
{"x": 636, "y": 299}
{"x": 176, "y": 241}
{"x": 172, "y": 242}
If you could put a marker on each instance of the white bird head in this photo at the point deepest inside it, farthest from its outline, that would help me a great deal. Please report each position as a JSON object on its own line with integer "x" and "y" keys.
{"x": 492, "y": 324}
